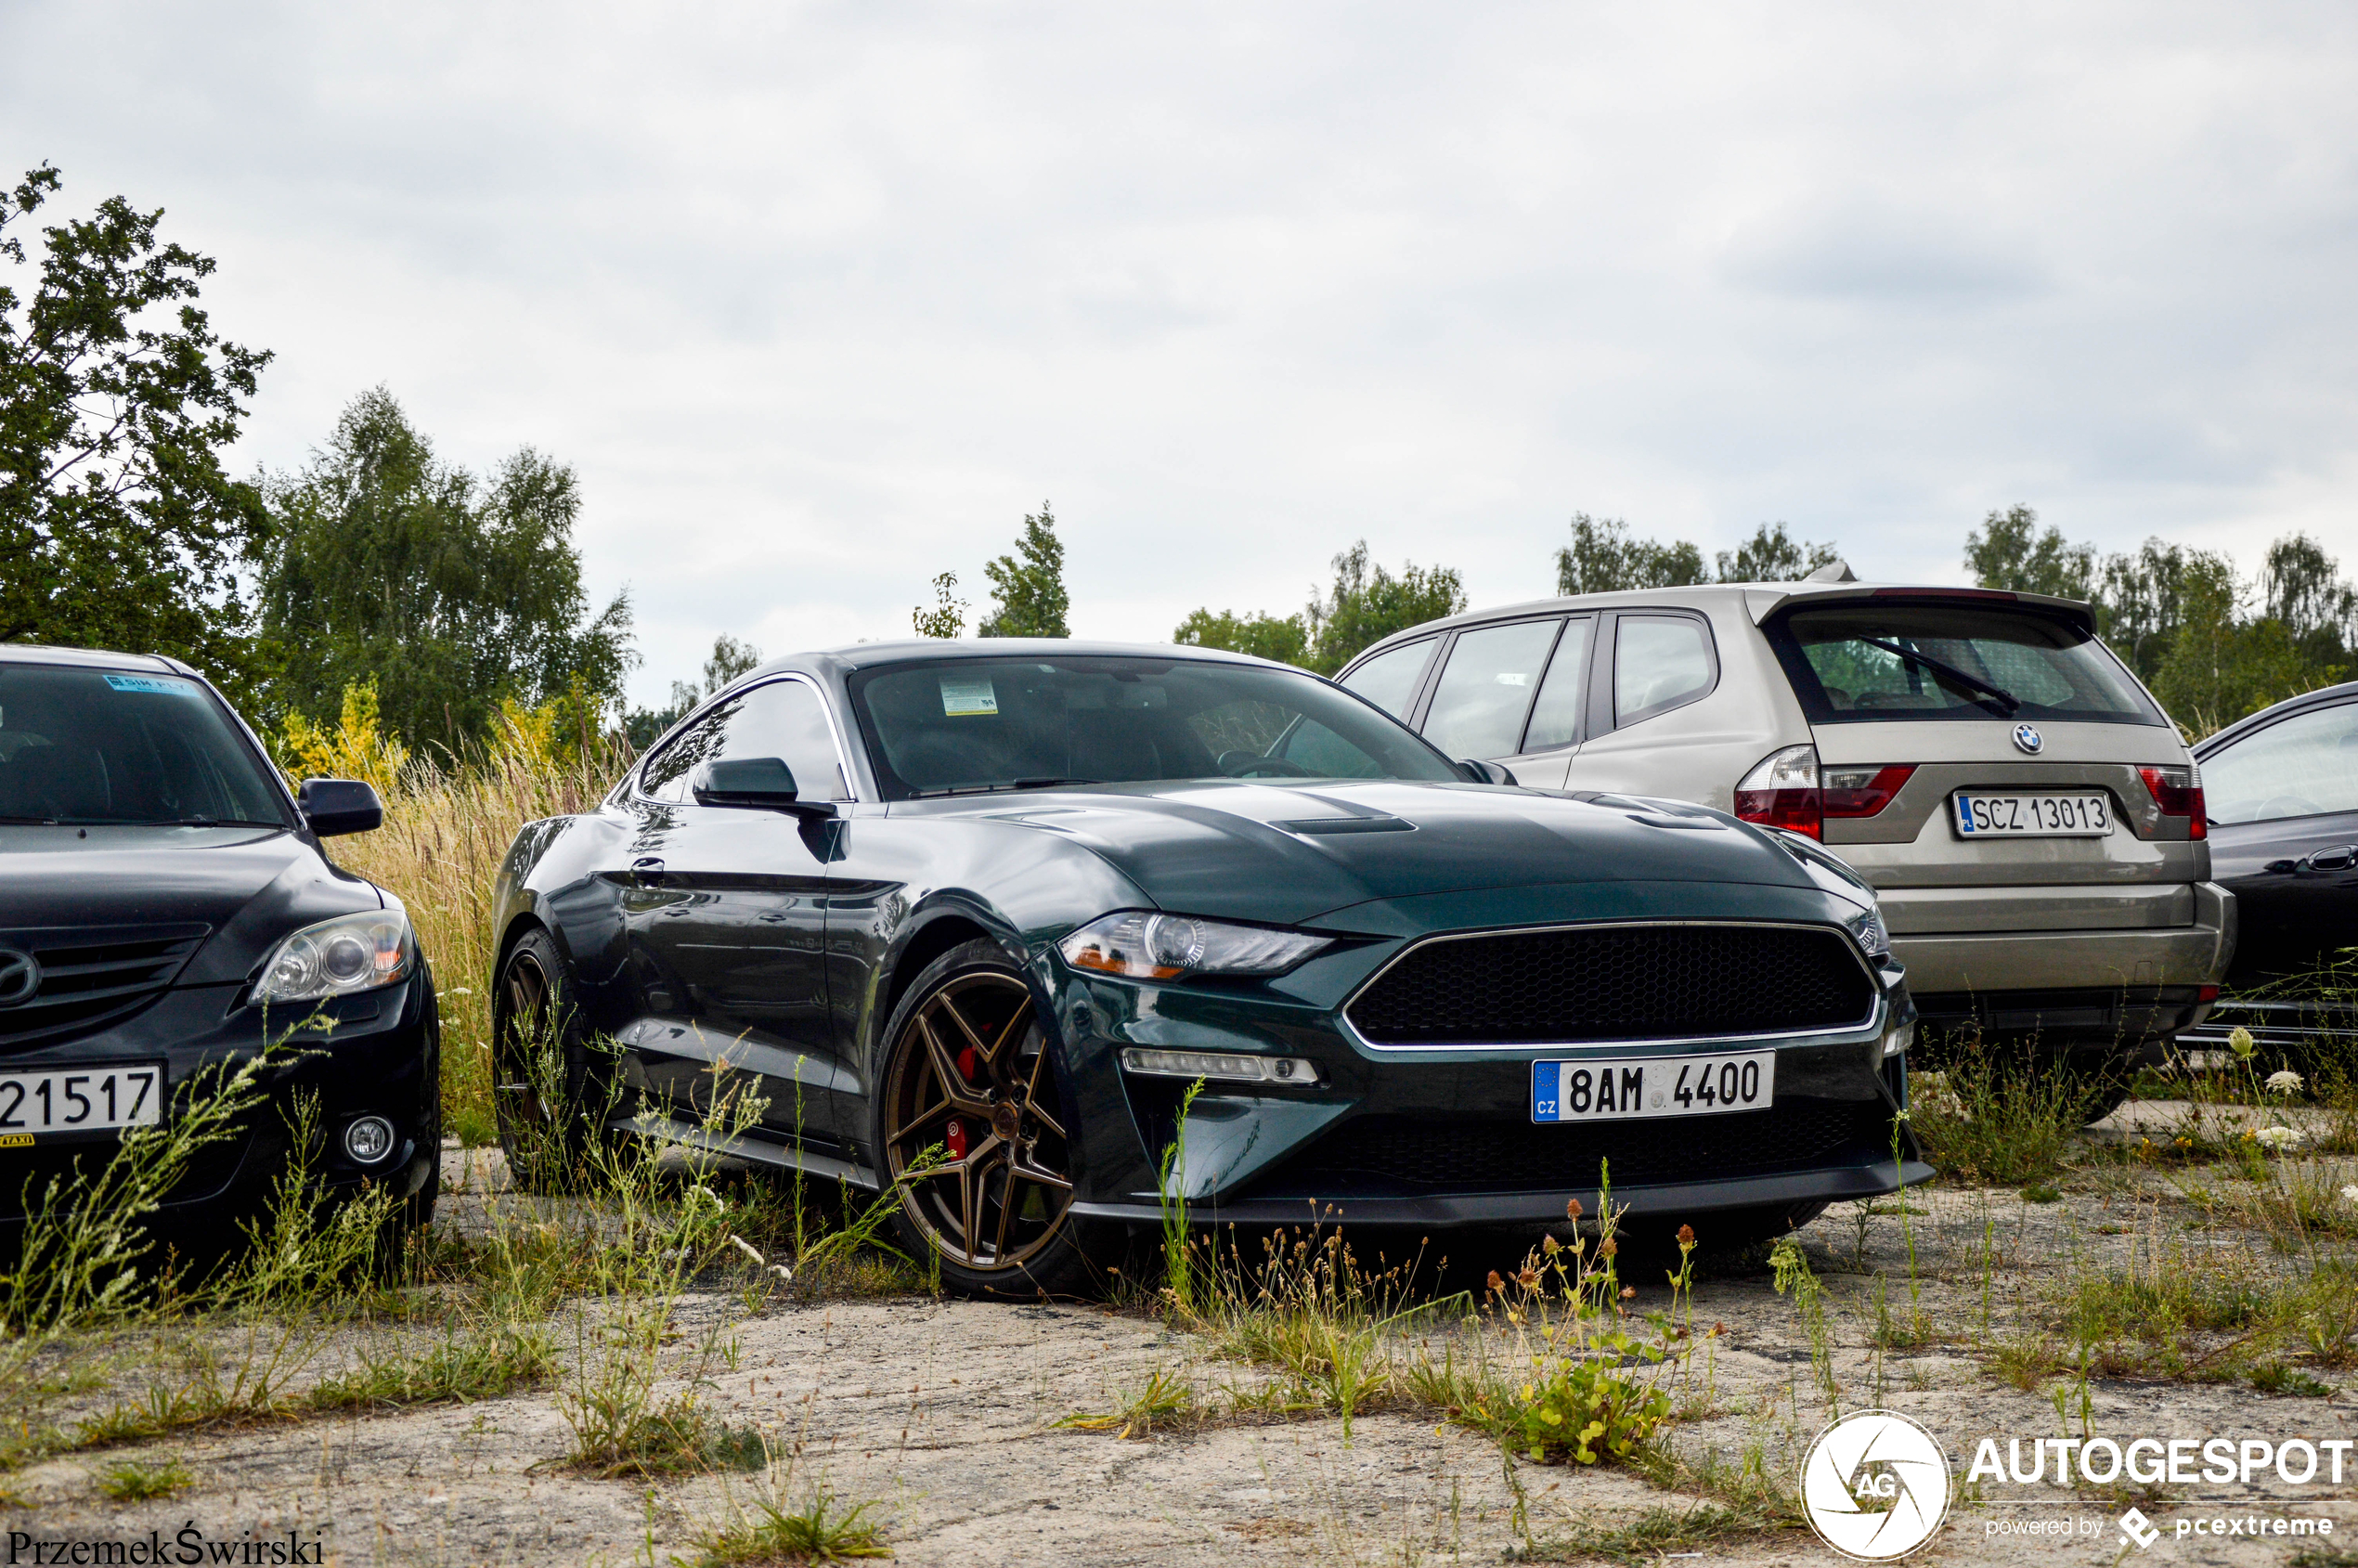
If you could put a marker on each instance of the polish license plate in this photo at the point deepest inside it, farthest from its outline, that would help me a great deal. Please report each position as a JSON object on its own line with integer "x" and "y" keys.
{"x": 1627, "y": 1090}
{"x": 79, "y": 1099}
{"x": 2012, "y": 815}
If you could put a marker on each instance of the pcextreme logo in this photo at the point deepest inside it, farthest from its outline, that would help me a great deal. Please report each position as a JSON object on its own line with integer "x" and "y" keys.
{"x": 1875, "y": 1485}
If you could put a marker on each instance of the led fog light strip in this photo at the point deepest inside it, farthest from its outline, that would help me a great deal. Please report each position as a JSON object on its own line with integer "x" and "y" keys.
{"x": 1220, "y": 1064}
{"x": 1899, "y": 1039}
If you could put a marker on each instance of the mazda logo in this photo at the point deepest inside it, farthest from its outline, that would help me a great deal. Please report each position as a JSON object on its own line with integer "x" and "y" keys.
{"x": 2026, "y": 736}
{"x": 19, "y": 976}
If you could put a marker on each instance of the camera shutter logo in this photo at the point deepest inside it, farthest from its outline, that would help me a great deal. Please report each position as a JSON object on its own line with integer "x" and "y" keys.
{"x": 2028, "y": 739}
{"x": 19, "y": 976}
{"x": 1875, "y": 1485}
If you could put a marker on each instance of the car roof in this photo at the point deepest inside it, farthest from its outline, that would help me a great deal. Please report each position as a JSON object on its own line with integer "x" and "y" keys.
{"x": 1759, "y": 601}
{"x": 87, "y": 659}
{"x": 912, "y": 650}
{"x": 2324, "y": 697}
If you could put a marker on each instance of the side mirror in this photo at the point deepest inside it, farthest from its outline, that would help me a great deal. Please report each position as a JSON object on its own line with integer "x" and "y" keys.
{"x": 339, "y": 806}
{"x": 1486, "y": 772}
{"x": 758, "y": 784}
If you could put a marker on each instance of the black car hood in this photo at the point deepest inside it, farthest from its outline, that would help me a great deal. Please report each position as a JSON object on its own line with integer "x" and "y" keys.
{"x": 248, "y": 886}
{"x": 1263, "y": 851}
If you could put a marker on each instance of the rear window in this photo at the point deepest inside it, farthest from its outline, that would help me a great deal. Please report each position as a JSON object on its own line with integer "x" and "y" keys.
{"x": 107, "y": 746}
{"x": 1862, "y": 661}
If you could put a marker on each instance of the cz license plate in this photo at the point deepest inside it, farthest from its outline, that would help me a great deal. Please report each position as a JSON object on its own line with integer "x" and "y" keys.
{"x": 79, "y": 1099}
{"x": 1626, "y": 1090}
{"x": 2034, "y": 816}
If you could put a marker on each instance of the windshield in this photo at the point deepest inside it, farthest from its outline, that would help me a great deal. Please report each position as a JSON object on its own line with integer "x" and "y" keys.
{"x": 1872, "y": 660}
{"x": 101, "y": 745}
{"x": 951, "y": 725}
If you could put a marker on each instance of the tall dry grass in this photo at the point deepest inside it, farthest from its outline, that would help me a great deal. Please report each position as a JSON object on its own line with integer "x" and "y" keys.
{"x": 448, "y": 822}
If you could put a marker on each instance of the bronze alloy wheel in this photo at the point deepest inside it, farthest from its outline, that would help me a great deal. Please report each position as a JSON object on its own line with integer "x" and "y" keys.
{"x": 970, "y": 1084}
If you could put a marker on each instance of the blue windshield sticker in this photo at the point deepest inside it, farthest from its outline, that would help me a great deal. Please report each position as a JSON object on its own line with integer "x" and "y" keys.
{"x": 166, "y": 685}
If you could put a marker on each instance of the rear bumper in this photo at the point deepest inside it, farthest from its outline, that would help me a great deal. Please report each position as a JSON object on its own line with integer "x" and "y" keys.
{"x": 1987, "y": 964}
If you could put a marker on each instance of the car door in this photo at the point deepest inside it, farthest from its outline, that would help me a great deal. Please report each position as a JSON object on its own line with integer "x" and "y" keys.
{"x": 728, "y": 924}
{"x": 1512, "y": 692}
{"x": 2282, "y": 801}
{"x": 1647, "y": 729}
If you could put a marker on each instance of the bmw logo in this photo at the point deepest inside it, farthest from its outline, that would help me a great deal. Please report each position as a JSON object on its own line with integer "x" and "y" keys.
{"x": 2027, "y": 738}
{"x": 19, "y": 976}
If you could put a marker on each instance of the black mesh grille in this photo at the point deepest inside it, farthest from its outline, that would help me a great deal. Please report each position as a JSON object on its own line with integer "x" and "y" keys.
{"x": 1380, "y": 1156}
{"x": 1616, "y": 982}
{"x": 92, "y": 976}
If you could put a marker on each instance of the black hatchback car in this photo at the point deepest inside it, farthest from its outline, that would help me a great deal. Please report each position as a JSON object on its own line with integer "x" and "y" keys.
{"x": 165, "y": 903}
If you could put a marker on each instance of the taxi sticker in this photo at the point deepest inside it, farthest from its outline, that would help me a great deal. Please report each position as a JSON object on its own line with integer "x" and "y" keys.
{"x": 16, "y": 1140}
{"x": 965, "y": 699}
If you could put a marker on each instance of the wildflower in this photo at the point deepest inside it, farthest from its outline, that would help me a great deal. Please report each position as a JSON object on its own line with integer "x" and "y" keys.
{"x": 2350, "y": 1194}
{"x": 1528, "y": 1278}
{"x": 1572, "y": 1209}
{"x": 1628, "y": 1292}
{"x": 1608, "y": 1248}
{"x": 1686, "y": 1236}
{"x": 2279, "y": 1138}
{"x": 2285, "y": 1081}
{"x": 2241, "y": 1044}
{"x": 1495, "y": 1283}
{"x": 1550, "y": 1245}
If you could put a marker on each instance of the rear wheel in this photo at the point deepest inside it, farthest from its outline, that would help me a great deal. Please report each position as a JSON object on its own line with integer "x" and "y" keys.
{"x": 969, "y": 1124}
{"x": 547, "y": 1097}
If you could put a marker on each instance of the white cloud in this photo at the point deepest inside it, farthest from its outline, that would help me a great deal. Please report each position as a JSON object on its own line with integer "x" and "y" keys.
{"x": 820, "y": 299}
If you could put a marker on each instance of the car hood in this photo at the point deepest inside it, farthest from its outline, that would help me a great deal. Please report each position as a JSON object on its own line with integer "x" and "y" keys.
{"x": 1293, "y": 852}
{"x": 248, "y": 887}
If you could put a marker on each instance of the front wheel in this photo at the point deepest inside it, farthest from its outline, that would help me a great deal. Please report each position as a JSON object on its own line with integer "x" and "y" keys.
{"x": 968, "y": 1127}
{"x": 546, "y": 1093}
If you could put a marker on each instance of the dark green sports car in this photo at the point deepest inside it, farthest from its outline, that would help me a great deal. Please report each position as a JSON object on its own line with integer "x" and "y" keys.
{"x": 985, "y": 911}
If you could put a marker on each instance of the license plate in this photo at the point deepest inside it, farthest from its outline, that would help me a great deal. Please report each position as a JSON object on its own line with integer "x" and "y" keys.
{"x": 1626, "y": 1090}
{"x": 2034, "y": 816}
{"x": 79, "y": 1099}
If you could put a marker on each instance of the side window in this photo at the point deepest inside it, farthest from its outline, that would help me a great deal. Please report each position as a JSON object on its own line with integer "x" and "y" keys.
{"x": 783, "y": 719}
{"x": 1327, "y": 755}
{"x": 2304, "y": 766}
{"x": 1388, "y": 680}
{"x": 1659, "y": 663}
{"x": 1486, "y": 689}
{"x": 1555, "y": 718}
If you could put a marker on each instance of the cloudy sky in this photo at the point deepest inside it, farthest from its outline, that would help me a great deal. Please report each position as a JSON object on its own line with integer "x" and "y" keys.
{"x": 822, "y": 299}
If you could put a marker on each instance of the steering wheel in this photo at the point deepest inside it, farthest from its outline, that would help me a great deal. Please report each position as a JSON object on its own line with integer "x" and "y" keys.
{"x": 1242, "y": 764}
{"x": 2278, "y": 805}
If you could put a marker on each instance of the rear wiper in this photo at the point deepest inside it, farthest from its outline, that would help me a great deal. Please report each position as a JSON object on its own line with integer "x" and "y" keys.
{"x": 2009, "y": 704}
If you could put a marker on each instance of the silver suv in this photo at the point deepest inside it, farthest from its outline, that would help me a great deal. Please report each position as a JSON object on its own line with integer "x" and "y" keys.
{"x": 2031, "y": 820}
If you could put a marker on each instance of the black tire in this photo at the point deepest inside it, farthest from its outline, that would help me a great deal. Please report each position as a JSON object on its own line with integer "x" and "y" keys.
{"x": 995, "y": 1209}
{"x": 549, "y": 1097}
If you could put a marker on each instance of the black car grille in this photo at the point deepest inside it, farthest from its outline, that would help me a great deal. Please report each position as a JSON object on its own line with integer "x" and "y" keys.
{"x": 26, "y": 1176}
{"x": 1400, "y": 1156}
{"x": 91, "y": 976}
{"x": 1616, "y": 982}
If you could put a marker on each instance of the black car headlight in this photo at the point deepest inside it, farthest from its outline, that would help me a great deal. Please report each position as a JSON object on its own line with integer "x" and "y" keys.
{"x": 1146, "y": 946}
{"x": 337, "y": 957}
{"x": 1866, "y": 929}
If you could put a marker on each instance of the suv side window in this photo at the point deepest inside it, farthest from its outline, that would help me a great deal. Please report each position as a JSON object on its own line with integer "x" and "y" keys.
{"x": 1390, "y": 679}
{"x": 1486, "y": 688}
{"x": 2304, "y": 766}
{"x": 1555, "y": 717}
{"x": 782, "y": 718}
{"x": 1659, "y": 663}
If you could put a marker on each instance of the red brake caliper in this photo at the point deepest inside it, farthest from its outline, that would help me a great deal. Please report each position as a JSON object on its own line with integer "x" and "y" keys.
{"x": 955, "y": 1134}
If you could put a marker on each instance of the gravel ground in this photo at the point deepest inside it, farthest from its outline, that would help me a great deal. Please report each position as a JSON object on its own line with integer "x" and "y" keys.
{"x": 938, "y": 1413}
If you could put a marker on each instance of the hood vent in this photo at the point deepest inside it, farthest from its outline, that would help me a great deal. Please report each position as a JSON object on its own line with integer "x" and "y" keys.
{"x": 1319, "y": 826}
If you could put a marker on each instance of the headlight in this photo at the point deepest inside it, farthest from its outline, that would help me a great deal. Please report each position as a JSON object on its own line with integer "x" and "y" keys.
{"x": 1866, "y": 928}
{"x": 1163, "y": 947}
{"x": 337, "y": 957}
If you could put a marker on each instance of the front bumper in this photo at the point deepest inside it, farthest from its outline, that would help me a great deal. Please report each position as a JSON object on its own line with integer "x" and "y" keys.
{"x": 375, "y": 1053}
{"x": 1433, "y": 1139}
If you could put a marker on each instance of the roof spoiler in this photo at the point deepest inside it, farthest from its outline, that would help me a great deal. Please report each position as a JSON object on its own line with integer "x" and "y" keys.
{"x": 1766, "y": 601}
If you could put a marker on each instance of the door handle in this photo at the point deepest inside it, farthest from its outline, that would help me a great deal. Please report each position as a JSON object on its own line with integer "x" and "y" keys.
{"x": 2338, "y": 858}
{"x": 647, "y": 871}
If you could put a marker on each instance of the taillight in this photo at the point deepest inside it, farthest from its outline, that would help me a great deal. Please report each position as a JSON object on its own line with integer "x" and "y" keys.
{"x": 1783, "y": 792}
{"x": 1861, "y": 792}
{"x": 2178, "y": 791}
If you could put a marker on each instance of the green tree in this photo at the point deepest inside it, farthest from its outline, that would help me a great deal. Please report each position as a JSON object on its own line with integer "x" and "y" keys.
{"x": 2140, "y": 605}
{"x": 118, "y": 526}
{"x": 1367, "y": 603}
{"x": 948, "y": 618}
{"x": 2223, "y": 665}
{"x": 1282, "y": 637}
{"x": 731, "y": 658}
{"x": 2301, "y": 587}
{"x": 451, "y": 592}
{"x": 1029, "y": 584}
{"x": 1602, "y": 558}
{"x": 1771, "y": 555}
{"x": 2009, "y": 551}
